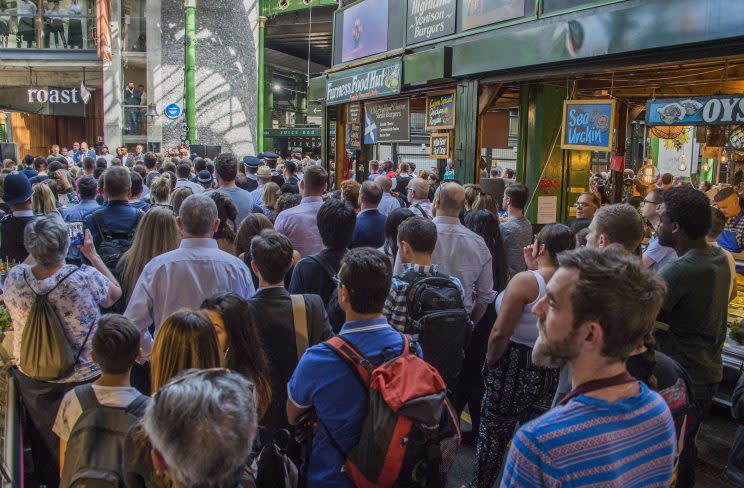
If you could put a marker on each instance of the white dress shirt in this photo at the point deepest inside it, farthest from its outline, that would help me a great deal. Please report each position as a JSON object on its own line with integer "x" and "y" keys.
{"x": 182, "y": 279}
{"x": 388, "y": 204}
{"x": 463, "y": 254}
{"x": 300, "y": 225}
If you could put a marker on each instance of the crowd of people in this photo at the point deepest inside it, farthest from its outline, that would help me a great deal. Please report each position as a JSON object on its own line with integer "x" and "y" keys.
{"x": 214, "y": 304}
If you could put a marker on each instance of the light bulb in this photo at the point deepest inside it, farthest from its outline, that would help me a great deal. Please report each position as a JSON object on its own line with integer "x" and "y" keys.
{"x": 682, "y": 163}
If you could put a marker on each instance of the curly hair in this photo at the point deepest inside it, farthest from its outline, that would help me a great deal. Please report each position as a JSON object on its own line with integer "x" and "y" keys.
{"x": 690, "y": 209}
{"x": 350, "y": 193}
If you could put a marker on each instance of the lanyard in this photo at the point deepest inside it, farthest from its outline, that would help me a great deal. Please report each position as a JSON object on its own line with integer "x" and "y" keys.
{"x": 594, "y": 385}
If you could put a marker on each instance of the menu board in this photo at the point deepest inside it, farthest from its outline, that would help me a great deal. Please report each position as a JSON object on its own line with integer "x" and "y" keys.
{"x": 440, "y": 110}
{"x": 387, "y": 121}
{"x": 354, "y": 109}
{"x": 429, "y": 19}
{"x": 354, "y": 131}
{"x": 439, "y": 146}
{"x": 588, "y": 125}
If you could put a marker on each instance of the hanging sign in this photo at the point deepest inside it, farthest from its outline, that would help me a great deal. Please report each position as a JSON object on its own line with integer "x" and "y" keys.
{"x": 387, "y": 121}
{"x": 440, "y": 110}
{"x": 430, "y": 19}
{"x": 355, "y": 130}
{"x": 587, "y": 125}
{"x": 439, "y": 146}
{"x": 713, "y": 110}
{"x": 353, "y": 115}
{"x": 369, "y": 81}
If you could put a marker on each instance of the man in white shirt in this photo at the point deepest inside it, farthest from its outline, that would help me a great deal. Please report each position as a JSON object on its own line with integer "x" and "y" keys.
{"x": 183, "y": 278}
{"x": 300, "y": 223}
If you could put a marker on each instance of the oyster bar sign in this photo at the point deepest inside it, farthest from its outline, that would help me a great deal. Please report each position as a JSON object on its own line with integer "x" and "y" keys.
{"x": 375, "y": 80}
{"x": 713, "y": 110}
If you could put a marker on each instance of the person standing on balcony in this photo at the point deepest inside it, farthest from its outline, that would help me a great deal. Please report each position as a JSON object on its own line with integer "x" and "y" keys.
{"x": 75, "y": 27}
{"x": 132, "y": 99}
{"x": 26, "y": 23}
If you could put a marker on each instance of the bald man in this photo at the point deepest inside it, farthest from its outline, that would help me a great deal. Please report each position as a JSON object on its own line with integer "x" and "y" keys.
{"x": 460, "y": 252}
{"x": 418, "y": 195}
{"x": 388, "y": 202}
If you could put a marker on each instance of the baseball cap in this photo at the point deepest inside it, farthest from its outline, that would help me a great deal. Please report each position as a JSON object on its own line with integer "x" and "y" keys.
{"x": 16, "y": 189}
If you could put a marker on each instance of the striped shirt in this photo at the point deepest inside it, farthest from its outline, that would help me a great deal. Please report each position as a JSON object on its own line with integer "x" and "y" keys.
{"x": 592, "y": 442}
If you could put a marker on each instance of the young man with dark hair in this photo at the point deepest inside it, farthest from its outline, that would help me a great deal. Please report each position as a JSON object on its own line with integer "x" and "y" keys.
{"x": 516, "y": 232}
{"x": 316, "y": 273}
{"x": 729, "y": 202}
{"x": 584, "y": 320}
{"x": 226, "y": 168}
{"x": 183, "y": 172}
{"x": 696, "y": 303}
{"x": 115, "y": 348}
{"x": 89, "y": 165}
{"x": 291, "y": 181}
{"x": 323, "y": 381}
{"x": 667, "y": 180}
{"x": 370, "y": 223}
{"x": 616, "y": 224}
{"x": 273, "y": 311}
{"x": 300, "y": 223}
{"x": 151, "y": 163}
{"x": 87, "y": 190}
{"x": 118, "y": 218}
{"x": 138, "y": 187}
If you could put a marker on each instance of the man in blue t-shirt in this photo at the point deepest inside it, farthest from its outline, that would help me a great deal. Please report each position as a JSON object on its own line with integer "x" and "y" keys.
{"x": 323, "y": 381}
{"x": 611, "y": 430}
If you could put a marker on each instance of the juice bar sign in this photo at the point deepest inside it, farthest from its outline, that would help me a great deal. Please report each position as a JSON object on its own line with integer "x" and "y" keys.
{"x": 371, "y": 81}
{"x": 718, "y": 109}
{"x": 587, "y": 125}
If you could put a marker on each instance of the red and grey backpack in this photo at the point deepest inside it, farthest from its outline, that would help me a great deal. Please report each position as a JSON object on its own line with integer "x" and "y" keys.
{"x": 410, "y": 435}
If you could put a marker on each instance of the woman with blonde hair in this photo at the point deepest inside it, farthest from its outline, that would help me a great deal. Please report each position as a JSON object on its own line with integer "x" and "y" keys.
{"x": 42, "y": 199}
{"x": 185, "y": 340}
{"x": 269, "y": 198}
{"x": 156, "y": 234}
{"x": 160, "y": 191}
{"x": 178, "y": 196}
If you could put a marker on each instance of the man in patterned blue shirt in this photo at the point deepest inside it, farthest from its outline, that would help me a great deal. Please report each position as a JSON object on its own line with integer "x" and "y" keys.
{"x": 417, "y": 238}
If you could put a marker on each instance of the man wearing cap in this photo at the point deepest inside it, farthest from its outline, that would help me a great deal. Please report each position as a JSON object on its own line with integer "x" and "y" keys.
{"x": 204, "y": 178}
{"x": 17, "y": 194}
{"x": 251, "y": 164}
{"x": 263, "y": 176}
{"x": 732, "y": 237}
{"x": 270, "y": 159}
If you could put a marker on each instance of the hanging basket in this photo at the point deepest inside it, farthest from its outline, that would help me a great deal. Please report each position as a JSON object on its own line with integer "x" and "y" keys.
{"x": 667, "y": 131}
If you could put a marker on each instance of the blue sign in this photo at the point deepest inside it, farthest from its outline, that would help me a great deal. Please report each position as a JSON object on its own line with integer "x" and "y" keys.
{"x": 172, "y": 111}
{"x": 588, "y": 124}
{"x": 714, "y": 110}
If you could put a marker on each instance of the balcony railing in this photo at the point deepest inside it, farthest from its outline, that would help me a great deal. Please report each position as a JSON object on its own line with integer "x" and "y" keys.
{"x": 135, "y": 120}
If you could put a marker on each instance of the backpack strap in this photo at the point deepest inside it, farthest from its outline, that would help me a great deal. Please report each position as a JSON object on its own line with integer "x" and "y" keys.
{"x": 25, "y": 277}
{"x": 424, "y": 213}
{"x": 137, "y": 404}
{"x": 299, "y": 317}
{"x": 352, "y": 357}
{"x": 140, "y": 213}
{"x": 105, "y": 232}
{"x": 87, "y": 397}
{"x": 326, "y": 267}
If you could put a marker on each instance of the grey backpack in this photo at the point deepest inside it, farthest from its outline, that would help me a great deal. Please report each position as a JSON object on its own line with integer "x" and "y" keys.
{"x": 95, "y": 450}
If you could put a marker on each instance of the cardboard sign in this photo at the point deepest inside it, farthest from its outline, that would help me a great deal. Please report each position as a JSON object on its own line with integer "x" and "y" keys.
{"x": 588, "y": 125}
{"x": 439, "y": 146}
{"x": 440, "y": 110}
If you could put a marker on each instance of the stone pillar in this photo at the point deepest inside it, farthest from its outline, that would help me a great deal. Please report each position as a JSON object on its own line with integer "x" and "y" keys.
{"x": 113, "y": 117}
{"x": 226, "y": 72}
{"x": 154, "y": 71}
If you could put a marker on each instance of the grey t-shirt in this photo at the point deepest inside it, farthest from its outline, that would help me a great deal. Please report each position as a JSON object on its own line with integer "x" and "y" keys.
{"x": 241, "y": 198}
{"x": 516, "y": 233}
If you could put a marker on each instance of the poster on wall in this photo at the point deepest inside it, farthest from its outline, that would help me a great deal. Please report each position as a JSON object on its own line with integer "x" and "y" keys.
{"x": 440, "y": 110}
{"x": 477, "y": 13}
{"x": 675, "y": 156}
{"x": 588, "y": 125}
{"x": 387, "y": 121}
{"x": 429, "y": 19}
{"x": 439, "y": 145}
{"x": 365, "y": 27}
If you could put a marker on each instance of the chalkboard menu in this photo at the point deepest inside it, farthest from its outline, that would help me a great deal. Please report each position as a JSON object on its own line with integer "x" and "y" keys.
{"x": 429, "y": 19}
{"x": 588, "y": 125}
{"x": 387, "y": 121}
{"x": 439, "y": 146}
{"x": 440, "y": 110}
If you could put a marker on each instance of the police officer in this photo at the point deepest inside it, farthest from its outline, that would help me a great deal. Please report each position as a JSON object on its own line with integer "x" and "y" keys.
{"x": 251, "y": 166}
{"x": 270, "y": 159}
{"x": 17, "y": 194}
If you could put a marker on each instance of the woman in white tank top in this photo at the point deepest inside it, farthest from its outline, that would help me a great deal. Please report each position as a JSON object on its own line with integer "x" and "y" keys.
{"x": 515, "y": 389}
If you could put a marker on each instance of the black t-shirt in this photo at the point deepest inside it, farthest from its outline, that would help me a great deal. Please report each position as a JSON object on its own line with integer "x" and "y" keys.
{"x": 11, "y": 238}
{"x": 310, "y": 277}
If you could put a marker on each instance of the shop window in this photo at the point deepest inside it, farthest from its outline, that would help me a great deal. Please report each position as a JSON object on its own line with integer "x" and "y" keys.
{"x": 57, "y": 24}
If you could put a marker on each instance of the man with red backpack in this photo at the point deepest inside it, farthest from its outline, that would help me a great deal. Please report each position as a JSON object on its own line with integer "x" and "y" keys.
{"x": 364, "y": 385}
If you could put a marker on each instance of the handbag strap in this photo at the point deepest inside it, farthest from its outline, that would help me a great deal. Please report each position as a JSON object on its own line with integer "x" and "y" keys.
{"x": 595, "y": 385}
{"x": 299, "y": 317}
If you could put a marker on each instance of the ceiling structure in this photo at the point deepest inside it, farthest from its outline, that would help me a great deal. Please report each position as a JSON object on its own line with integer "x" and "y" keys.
{"x": 302, "y": 31}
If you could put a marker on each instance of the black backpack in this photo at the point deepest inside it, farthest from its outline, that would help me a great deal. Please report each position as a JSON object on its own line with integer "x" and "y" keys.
{"x": 95, "y": 451}
{"x": 438, "y": 321}
{"x": 114, "y": 244}
{"x": 336, "y": 316}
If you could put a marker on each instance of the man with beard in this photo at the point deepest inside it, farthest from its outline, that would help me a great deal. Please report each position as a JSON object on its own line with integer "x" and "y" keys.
{"x": 584, "y": 319}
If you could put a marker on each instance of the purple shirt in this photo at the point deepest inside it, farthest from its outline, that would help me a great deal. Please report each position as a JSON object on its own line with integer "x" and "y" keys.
{"x": 300, "y": 225}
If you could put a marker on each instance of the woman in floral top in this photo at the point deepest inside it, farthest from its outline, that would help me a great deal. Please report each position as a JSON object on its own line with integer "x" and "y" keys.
{"x": 76, "y": 295}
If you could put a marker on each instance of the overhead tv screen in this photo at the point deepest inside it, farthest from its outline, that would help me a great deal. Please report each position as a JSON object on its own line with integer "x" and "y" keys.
{"x": 365, "y": 30}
